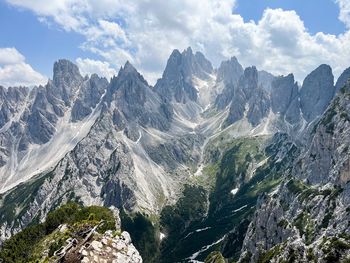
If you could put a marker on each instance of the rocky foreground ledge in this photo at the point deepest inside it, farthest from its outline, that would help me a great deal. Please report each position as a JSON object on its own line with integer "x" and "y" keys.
{"x": 70, "y": 234}
{"x": 111, "y": 248}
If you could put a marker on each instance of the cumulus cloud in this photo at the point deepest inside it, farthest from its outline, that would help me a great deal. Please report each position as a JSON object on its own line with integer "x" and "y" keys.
{"x": 15, "y": 72}
{"x": 145, "y": 32}
{"x": 90, "y": 66}
{"x": 344, "y": 14}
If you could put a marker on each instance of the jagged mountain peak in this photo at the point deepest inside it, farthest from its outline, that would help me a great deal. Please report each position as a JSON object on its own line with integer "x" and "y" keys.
{"x": 130, "y": 73}
{"x": 316, "y": 92}
{"x": 128, "y": 67}
{"x": 180, "y": 71}
{"x": 230, "y": 71}
{"x": 187, "y": 64}
{"x": 65, "y": 71}
{"x": 249, "y": 81}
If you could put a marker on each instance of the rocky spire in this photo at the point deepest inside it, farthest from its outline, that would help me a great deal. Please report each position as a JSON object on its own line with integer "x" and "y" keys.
{"x": 176, "y": 81}
{"x": 316, "y": 92}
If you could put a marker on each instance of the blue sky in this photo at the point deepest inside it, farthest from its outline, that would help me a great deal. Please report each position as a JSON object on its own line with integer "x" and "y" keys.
{"x": 280, "y": 36}
{"x": 318, "y": 15}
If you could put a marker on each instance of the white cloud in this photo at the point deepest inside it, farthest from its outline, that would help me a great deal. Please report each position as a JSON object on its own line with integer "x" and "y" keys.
{"x": 145, "y": 32}
{"x": 10, "y": 56}
{"x": 344, "y": 14}
{"x": 15, "y": 72}
{"x": 90, "y": 66}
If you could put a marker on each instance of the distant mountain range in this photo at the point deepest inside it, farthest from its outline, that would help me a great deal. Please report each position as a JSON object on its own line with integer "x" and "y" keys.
{"x": 238, "y": 161}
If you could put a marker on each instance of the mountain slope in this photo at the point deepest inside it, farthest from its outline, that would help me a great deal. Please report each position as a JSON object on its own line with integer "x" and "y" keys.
{"x": 206, "y": 153}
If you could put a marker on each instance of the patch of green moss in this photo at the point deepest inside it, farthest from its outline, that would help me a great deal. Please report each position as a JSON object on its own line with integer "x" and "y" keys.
{"x": 215, "y": 257}
{"x": 296, "y": 186}
{"x": 26, "y": 246}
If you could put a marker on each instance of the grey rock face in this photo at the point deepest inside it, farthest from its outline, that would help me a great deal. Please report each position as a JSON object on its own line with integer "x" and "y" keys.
{"x": 326, "y": 159}
{"x": 89, "y": 96}
{"x": 293, "y": 112}
{"x": 136, "y": 101}
{"x": 66, "y": 79}
{"x": 248, "y": 83}
{"x": 343, "y": 79}
{"x": 316, "y": 92}
{"x": 265, "y": 79}
{"x": 11, "y": 99}
{"x": 249, "y": 96}
{"x": 224, "y": 98}
{"x": 176, "y": 81}
{"x": 259, "y": 106}
{"x": 230, "y": 71}
{"x": 282, "y": 89}
{"x": 237, "y": 107}
{"x": 307, "y": 214}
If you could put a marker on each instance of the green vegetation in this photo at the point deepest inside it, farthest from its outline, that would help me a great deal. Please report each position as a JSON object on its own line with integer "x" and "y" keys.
{"x": 232, "y": 167}
{"x": 327, "y": 120}
{"x": 270, "y": 254}
{"x": 296, "y": 186}
{"x": 247, "y": 257}
{"x": 25, "y": 246}
{"x": 306, "y": 226}
{"x": 334, "y": 248}
{"x": 311, "y": 256}
{"x": 144, "y": 233}
{"x": 283, "y": 223}
{"x": 16, "y": 202}
{"x": 215, "y": 257}
{"x": 191, "y": 207}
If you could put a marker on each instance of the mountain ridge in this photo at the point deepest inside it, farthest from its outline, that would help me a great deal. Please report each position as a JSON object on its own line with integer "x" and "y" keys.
{"x": 126, "y": 144}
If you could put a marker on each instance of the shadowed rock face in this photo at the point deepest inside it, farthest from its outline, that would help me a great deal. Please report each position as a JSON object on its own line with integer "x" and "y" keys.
{"x": 316, "y": 92}
{"x": 137, "y": 101}
{"x": 89, "y": 96}
{"x": 282, "y": 91}
{"x": 306, "y": 216}
{"x": 11, "y": 99}
{"x": 248, "y": 96}
{"x": 176, "y": 82}
{"x": 124, "y": 143}
{"x": 265, "y": 79}
{"x": 230, "y": 71}
{"x": 66, "y": 79}
{"x": 343, "y": 79}
{"x": 248, "y": 83}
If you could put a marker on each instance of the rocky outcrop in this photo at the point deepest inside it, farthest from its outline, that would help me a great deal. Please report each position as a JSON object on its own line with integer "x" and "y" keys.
{"x": 316, "y": 92}
{"x": 306, "y": 217}
{"x": 43, "y": 116}
{"x": 88, "y": 98}
{"x": 229, "y": 74}
{"x": 176, "y": 82}
{"x": 66, "y": 79}
{"x": 230, "y": 71}
{"x": 283, "y": 91}
{"x": 249, "y": 100}
{"x": 111, "y": 248}
{"x": 265, "y": 79}
{"x": 343, "y": 79}
{"x": 136, "y": 101}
